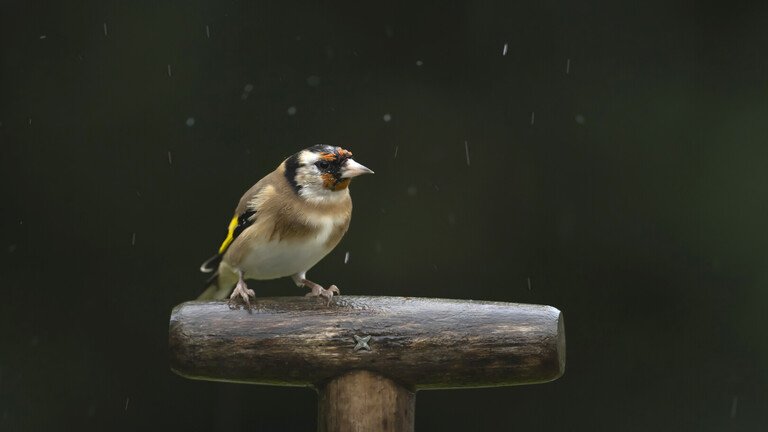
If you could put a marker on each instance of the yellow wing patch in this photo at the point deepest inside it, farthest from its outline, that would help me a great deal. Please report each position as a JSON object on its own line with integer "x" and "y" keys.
{"x": 230, "y": 234}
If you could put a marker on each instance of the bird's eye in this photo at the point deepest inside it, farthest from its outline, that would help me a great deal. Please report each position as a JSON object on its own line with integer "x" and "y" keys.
{"x": 322, "y": 164}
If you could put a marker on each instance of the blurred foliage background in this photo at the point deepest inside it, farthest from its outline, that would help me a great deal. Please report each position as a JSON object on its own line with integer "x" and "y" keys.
{"x": 616, "y": 169}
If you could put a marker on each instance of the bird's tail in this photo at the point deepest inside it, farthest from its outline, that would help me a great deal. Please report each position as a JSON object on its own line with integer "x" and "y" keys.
{"x": 217, "y": 287}
{"x": 211, "y": 264}
{"x": 212, "y": 290}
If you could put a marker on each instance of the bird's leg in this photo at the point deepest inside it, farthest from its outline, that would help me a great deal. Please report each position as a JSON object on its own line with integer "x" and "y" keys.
{"x": 241, "y": 291}
{"x": 317, "y": 290}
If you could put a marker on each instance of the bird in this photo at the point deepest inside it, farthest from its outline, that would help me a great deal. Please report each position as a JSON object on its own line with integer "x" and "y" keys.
{"x": 285, "y": 224}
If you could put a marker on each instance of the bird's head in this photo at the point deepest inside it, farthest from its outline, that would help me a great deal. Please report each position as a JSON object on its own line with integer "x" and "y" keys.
{"x": 321, "y": 172}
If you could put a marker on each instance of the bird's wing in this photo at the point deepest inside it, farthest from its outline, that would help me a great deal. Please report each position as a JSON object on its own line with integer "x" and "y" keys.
{"x": 245, "y": 215}
{"x": 237, "y": 225}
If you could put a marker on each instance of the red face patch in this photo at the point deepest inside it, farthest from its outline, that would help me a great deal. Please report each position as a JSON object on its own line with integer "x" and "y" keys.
{"x": 339, "y": 154}
{"x": 344, "y": 153}
{"x": 343, "y": 184}
{"x": 329, "y": 181}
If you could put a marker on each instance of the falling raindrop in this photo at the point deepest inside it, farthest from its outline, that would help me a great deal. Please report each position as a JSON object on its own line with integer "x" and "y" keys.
{"x": 568, "y": 66}
{"x": 105, "y": 29}
{"x": 419, "y": 63}
{"x": 291, "y": 110}
{"x": 504, "y": 50}
{"x": 396, "y": 148}
{"x": 127, "y": 400}
{"x": 190, "y": 121}
{"x": 170, "y": 159}
{"x": 169, "y": 70}
{"x": 208, "y": 32}
{"x": 529, "y": 284}
{"x": 580, "y": 119}
{"x": 133, "y": 239}
{"x": 387, "y": 117}
{"x": 412, "y": 191}
{"x": 533, "y": 117}
{"x": 346, "y": 257}
{"x": 466, "y": 150}
{"x": 43, "y": 37}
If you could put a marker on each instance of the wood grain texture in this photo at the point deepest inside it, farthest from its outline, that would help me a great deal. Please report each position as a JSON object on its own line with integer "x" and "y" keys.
{"x": 362, "y": 401}
{"x": 420, "y": 343}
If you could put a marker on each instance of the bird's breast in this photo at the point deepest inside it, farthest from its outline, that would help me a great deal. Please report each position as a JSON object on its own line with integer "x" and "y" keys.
{"x": 324, "y": 228}
{"x": 280, "y": 257}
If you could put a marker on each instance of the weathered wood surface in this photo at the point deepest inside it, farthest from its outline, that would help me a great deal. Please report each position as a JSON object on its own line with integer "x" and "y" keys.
{"x": 364, "y": 401}
{"x": 420, "y": 343}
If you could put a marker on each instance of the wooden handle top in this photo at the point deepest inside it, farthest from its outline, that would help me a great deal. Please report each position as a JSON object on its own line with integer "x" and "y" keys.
{"x": 419, "y": 342}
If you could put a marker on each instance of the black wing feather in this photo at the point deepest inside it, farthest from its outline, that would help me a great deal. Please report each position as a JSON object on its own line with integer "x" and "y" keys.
{"x": 243, "y": 222}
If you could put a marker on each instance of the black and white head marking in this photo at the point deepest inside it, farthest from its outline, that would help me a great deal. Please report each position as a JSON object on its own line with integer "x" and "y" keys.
{"x": 318, "y": 172}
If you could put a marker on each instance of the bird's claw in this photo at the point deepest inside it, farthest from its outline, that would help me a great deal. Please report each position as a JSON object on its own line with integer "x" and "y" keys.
{"x": 241, "y": 292}
{"x": 318, "y": 291}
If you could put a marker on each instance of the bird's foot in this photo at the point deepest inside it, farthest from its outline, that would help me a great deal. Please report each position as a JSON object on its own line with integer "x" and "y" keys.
{"x": 319, "y": 291}
{"x": 241, "y": 292}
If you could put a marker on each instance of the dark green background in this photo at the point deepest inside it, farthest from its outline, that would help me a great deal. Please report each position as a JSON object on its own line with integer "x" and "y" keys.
{"x": 644, "y": 221}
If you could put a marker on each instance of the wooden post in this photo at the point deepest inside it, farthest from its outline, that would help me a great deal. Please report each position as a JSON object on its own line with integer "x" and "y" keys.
{"x": 367, "y": 356}
{"x": 385, "y": 405}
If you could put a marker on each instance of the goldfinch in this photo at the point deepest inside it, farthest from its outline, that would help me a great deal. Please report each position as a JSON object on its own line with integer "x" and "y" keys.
{"x": 285, "y": 224}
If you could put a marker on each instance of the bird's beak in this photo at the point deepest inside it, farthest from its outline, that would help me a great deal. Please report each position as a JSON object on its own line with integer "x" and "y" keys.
{"x": 353, "y": 169}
